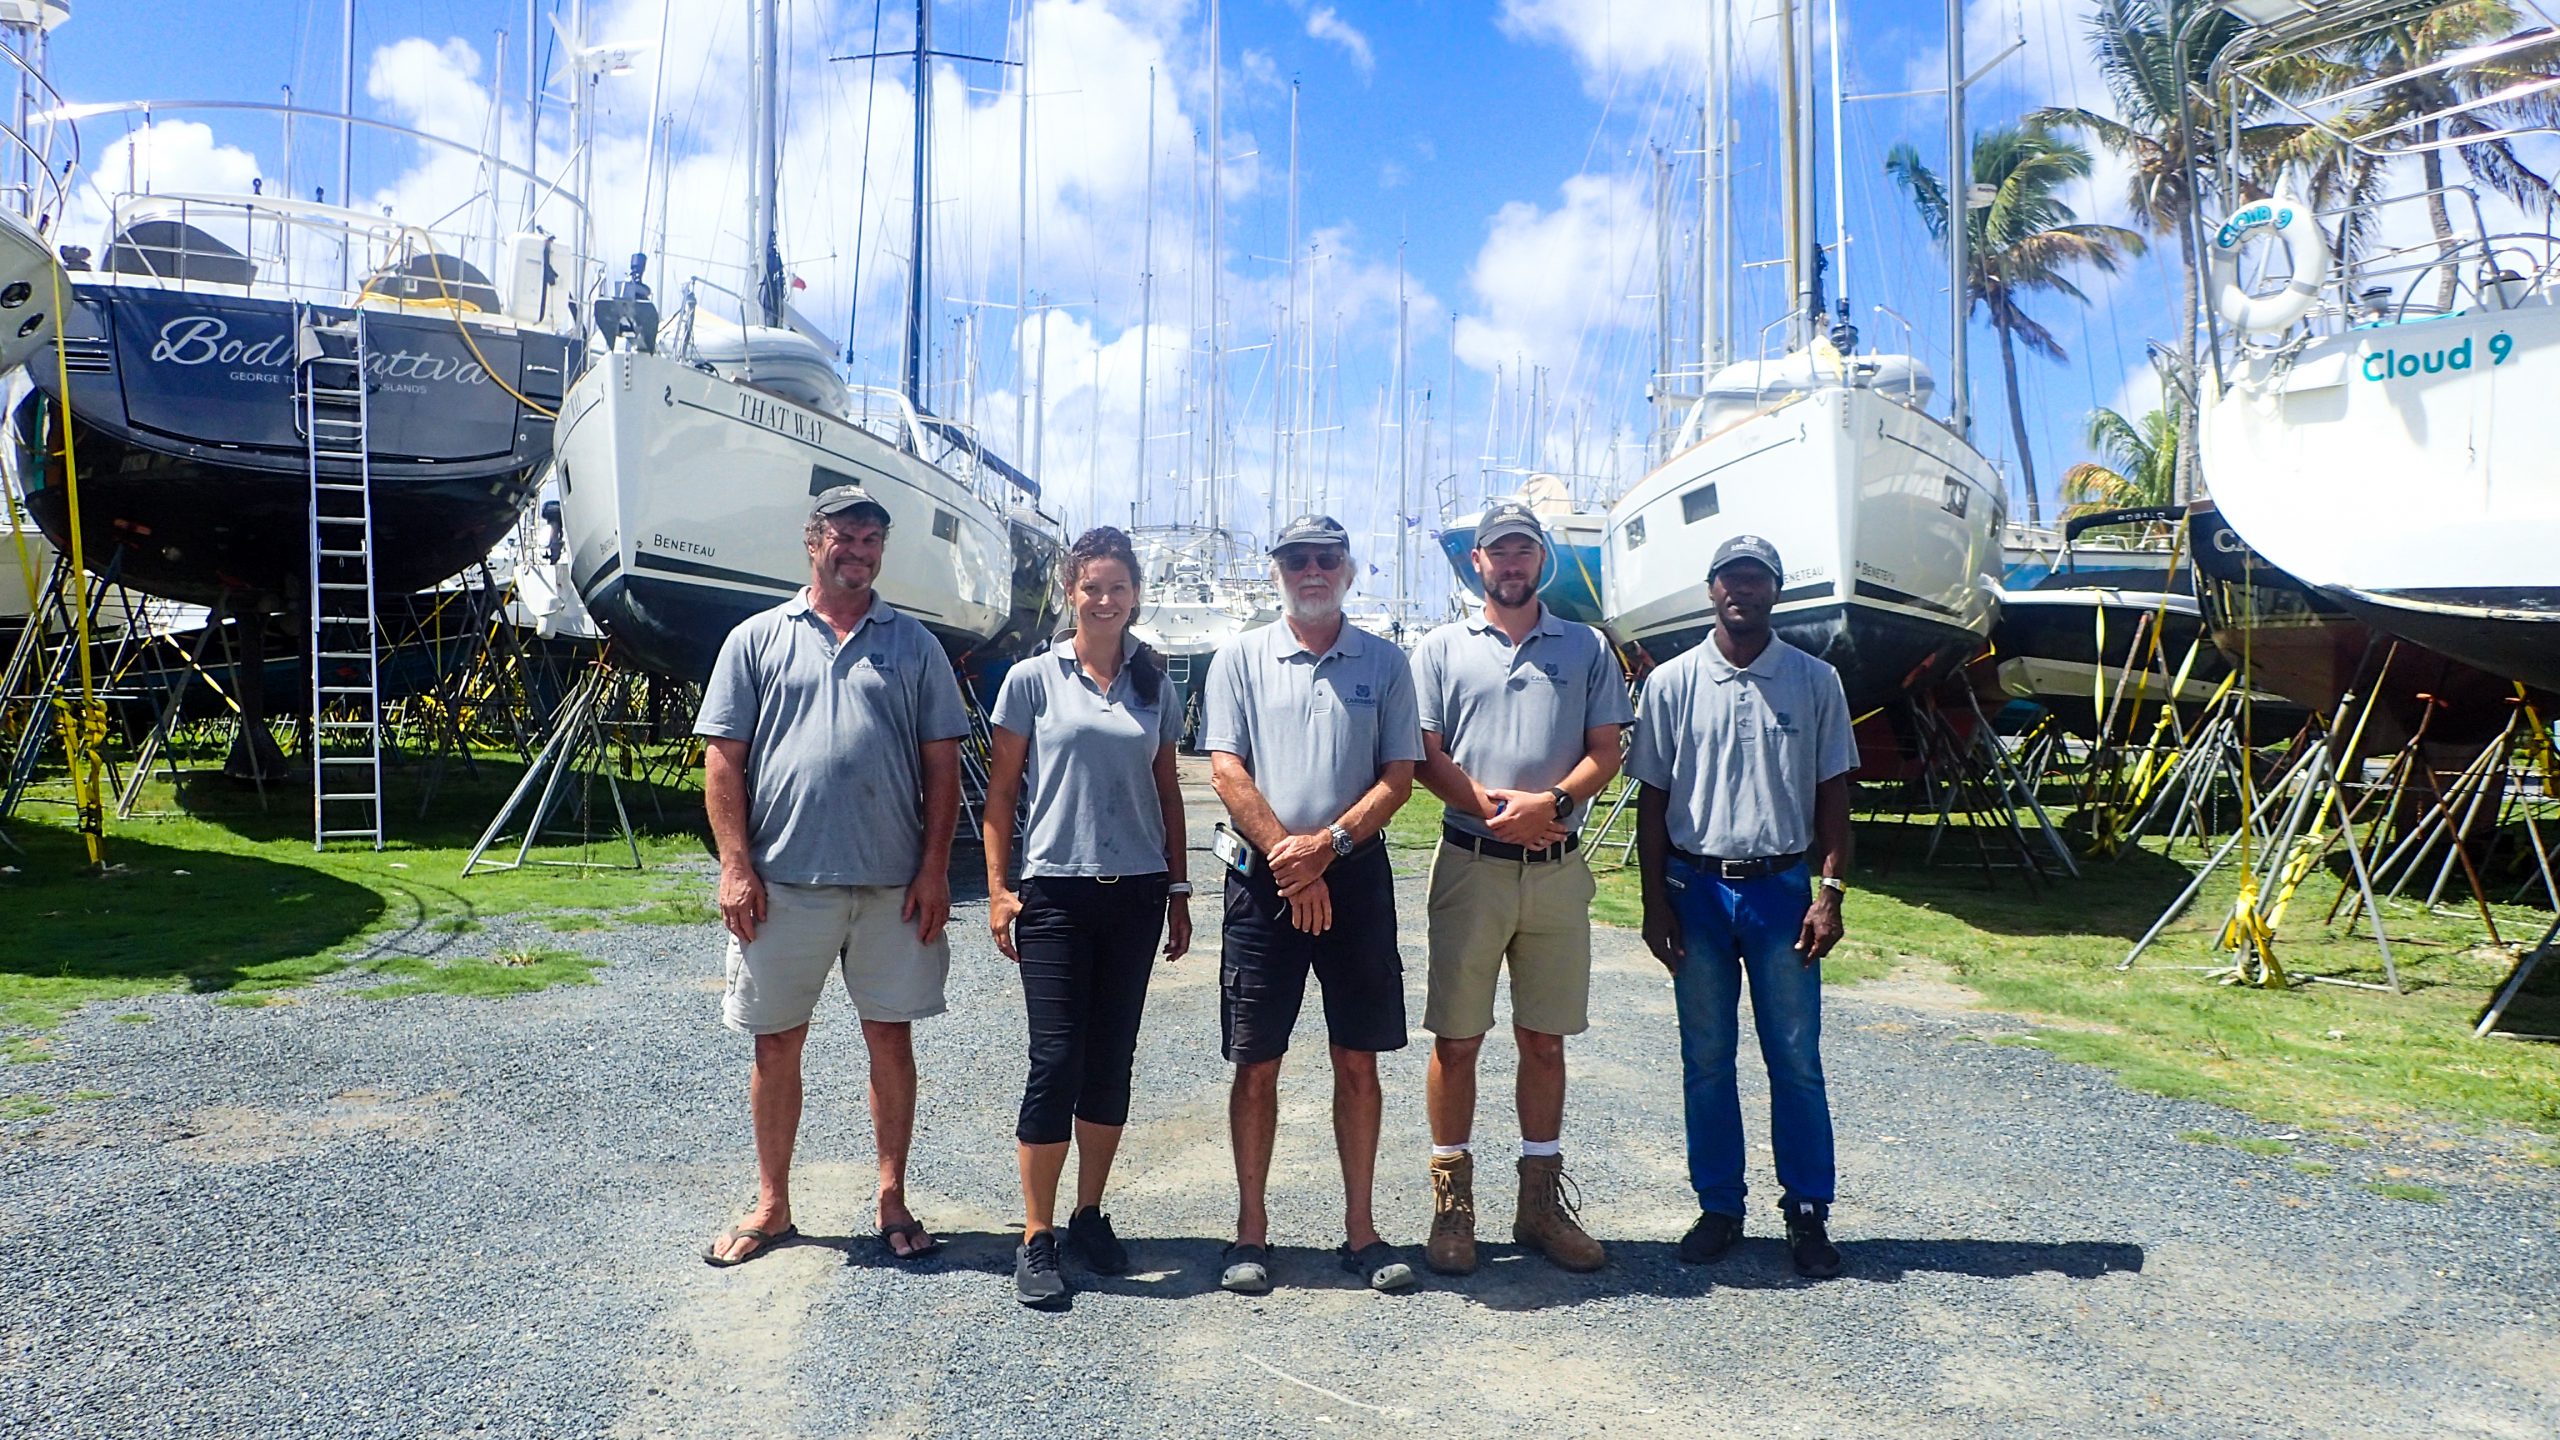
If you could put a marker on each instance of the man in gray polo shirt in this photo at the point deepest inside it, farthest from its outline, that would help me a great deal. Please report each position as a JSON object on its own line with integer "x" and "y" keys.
{"x": 1521, "y": 714}
{"x": 1743, "y": 748}
{"x": 833, "y": 728}
{"x": 1311, "y": 731}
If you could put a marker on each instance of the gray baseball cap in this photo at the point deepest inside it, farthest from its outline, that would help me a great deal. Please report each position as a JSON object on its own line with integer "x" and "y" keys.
{"x": 1505, "y": 518}
{"x": 1746, "y": 547}
{"x": 841, "y": 499}
{"x": 1311, "y": 530}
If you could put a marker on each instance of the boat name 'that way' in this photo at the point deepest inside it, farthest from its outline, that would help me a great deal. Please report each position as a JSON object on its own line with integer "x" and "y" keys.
{"x": 782, "y": 419}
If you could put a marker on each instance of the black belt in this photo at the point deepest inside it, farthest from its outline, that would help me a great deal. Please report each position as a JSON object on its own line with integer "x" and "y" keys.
{"x": 1741, "y": 869}
{"x": 1500, "y": 850}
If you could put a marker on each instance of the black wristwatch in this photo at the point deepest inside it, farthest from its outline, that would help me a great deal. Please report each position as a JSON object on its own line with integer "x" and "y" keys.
{"x": 1341, "y": 841}
{"x": 1564, "y": 802}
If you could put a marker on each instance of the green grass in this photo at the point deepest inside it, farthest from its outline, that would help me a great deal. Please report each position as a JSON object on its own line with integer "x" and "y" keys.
{"x": 2317, "y": 1057}
{"x": 518, "y": 972}
{"x": 2418, "y": 1194}
{"x": 2315, "y": 1167}
{"x": 206, "y": 891}
{"x": 22, "y": 1107}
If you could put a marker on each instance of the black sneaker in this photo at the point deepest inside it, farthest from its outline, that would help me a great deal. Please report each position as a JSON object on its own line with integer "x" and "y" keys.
{"x": 1815, "y": 1256}
{"x": 1089, "y": 1230}
{"x": 1036, "y": 1281}
{"x": 1709, "y": 1239}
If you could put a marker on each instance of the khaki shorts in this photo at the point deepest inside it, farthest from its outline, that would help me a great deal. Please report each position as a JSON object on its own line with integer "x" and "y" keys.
{"x": 809, "y": 930}
{"x": 1484, "y": 911}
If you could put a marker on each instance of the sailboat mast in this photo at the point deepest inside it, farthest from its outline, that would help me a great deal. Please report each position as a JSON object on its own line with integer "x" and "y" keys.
{"x": 1959, "y": 227}
{"x": 1404, "y": 456}
{"x": 1022, "y": 227}
{"x": 914, "y": 357}
{"x": 1146, "y": 301}
{"x": 1792, "y": 174}
{"x": 1217, "y": 224}
{"x": 1839, "y": 173}
{"x": 1284, "y": 500}
{"x": 764, "y": 101}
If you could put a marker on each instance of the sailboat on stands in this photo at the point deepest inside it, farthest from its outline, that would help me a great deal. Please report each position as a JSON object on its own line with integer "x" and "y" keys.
{"x": 179, "y": 374}
{"x": 1887, "y": 518}
{"x": 2381, "y": 428}
{"x": 690, "y": 450}
{"x": 1571, "y": 585}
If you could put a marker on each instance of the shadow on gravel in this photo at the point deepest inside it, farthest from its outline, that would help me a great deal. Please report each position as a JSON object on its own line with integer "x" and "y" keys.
{"x": 1514, "y": 1279}
{"x": 1509, "y": 1278}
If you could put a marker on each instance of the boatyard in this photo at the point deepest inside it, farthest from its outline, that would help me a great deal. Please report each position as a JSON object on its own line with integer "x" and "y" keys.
{"x": 2012, "y": 545}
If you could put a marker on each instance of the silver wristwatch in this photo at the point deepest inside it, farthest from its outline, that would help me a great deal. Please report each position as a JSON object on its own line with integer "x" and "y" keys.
{"x": 1341, "y": 840}
{"x": 1835, "y": 883}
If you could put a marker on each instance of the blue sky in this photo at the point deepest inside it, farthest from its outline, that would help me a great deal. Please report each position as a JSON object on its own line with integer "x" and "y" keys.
{"x": 1504, "y": 147}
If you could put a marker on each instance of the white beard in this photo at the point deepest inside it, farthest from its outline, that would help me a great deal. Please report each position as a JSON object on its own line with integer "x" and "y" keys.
{"x": 1313, "y": 612}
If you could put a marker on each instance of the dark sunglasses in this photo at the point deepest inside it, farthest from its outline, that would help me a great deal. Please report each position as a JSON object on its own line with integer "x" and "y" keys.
{"x": 1325, "y": 560}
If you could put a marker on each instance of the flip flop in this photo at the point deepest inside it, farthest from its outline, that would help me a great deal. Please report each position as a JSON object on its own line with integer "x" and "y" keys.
{"x": 913, "y": 1230}
{"x": 1377, "y": 1262}
{"x": 1248, "y": 1269}
{"x": 711, "y": 1253}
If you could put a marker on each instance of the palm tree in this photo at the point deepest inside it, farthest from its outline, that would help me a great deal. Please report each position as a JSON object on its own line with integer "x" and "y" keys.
{"x": 2162, "y": 88}
{"x": 2138, "y": 463}
{"x": 2018, "y": 245}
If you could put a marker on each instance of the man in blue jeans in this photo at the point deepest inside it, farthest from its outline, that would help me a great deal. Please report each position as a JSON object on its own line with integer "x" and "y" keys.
{"x": 1744, "y": 751}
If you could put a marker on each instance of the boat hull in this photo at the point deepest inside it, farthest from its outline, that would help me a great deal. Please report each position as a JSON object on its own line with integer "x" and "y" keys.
{"x": 684, "y": 495}
{"x": 1571, "y": 587}
{"x": 1889, "y": 526}
{"x": 2408, "y": 470}
{"x": 2086, "y": 655}
{"x": 2314, "y": 649}
{"x": 194, "y": 481}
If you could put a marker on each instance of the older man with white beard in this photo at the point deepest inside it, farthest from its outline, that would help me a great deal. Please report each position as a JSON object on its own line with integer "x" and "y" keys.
{"x": 1313, "y": 734}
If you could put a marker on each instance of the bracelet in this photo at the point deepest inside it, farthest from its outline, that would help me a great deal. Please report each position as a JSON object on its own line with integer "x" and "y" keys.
{"x": 1178, "y": 890}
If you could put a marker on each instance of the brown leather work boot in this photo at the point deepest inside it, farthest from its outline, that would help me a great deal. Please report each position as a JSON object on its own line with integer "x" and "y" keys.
{"x": 1548, "y": 1222}
{"x": 1452, "y": 1250}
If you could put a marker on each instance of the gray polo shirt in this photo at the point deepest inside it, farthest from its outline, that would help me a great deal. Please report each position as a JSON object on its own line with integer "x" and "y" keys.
{"x": 1313, "y": 730}
{"x": 1090, "y": 783}
{"x": 835, "y": 790}
{"x": 1740, "y": 751}
{"x": 1513, "y": 716}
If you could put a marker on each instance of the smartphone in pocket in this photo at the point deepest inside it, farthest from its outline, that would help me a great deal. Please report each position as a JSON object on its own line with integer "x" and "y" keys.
{"x": 1231, "y": 849}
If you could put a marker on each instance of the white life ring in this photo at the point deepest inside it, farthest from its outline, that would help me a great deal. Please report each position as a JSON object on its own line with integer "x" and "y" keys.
{"x": 2292, "y": 224}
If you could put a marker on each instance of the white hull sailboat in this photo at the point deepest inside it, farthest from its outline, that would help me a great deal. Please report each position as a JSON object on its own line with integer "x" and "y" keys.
{"x": 683, "y": 494}
{"x": 1888, "y": 520}
{"x": 2382, "y": 426}
{"x": 687, "y": 463}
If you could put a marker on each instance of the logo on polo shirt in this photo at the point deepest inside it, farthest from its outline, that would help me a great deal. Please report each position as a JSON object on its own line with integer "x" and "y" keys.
{"x": 1550, "y": 668}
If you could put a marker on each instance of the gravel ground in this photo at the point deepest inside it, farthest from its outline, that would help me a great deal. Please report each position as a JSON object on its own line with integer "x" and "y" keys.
{"x": 447, "y": 1217}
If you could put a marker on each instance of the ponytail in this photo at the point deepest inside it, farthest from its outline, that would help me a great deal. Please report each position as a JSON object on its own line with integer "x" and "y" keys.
{"x": 1109, "y": 542}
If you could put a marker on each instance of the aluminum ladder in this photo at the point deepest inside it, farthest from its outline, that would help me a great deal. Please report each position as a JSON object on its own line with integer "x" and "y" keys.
{"x": 346, "y": 678}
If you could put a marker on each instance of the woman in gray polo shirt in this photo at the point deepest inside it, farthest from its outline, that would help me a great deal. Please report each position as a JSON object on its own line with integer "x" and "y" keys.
{"x": 1084, "y": 737}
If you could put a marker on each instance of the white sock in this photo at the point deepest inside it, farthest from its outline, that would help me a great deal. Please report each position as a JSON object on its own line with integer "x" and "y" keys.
{"x": 1538, "y": 1149}
{"x": 1443, "y": 1152}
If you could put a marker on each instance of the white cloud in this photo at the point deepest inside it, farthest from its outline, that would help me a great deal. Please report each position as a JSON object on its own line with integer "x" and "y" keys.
{"x": 1546, "y": 279}
{"x": 1324, "y": 23}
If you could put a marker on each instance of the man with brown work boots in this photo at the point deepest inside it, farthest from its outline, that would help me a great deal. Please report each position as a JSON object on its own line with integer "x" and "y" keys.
{"x": 1521, "y": 713}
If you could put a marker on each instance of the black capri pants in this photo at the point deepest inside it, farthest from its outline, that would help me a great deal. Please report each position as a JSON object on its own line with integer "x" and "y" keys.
{"x": 1088, "y": 947}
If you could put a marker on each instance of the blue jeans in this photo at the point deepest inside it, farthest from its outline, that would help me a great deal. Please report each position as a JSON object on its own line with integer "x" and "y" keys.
{"x": 1733, "y": 929}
